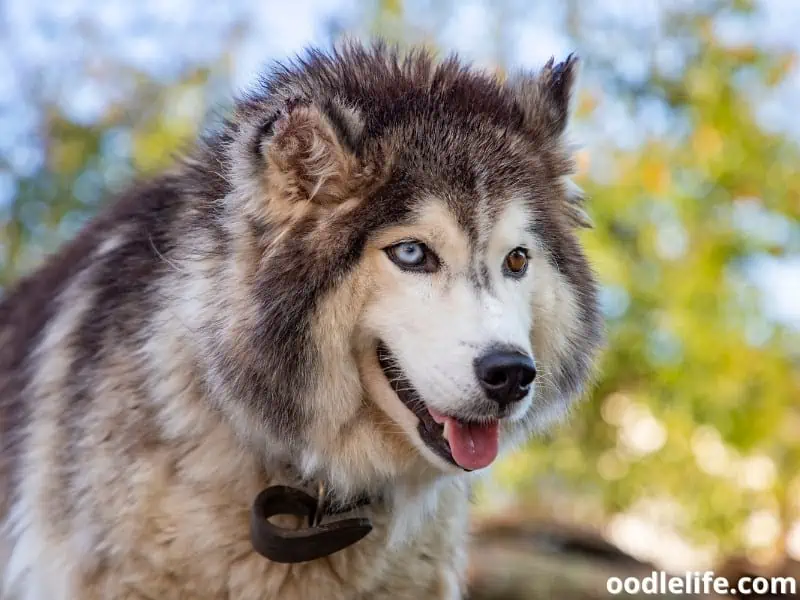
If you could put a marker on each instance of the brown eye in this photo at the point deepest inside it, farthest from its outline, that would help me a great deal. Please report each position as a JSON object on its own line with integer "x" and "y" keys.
{"x": 516, "y": 263}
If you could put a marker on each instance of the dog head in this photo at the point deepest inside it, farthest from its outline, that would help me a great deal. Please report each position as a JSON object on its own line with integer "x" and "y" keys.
{"x": 408, "y": 290}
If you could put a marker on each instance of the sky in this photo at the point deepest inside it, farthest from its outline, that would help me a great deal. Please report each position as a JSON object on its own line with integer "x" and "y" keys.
{"x": 66, "y": 50}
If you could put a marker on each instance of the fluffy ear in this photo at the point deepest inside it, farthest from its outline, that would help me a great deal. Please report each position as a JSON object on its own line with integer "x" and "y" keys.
{"x": 545, "y": 97}
{"x": 309, "y": 152}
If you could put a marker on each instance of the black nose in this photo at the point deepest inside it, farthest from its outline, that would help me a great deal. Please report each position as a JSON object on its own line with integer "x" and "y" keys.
{"x": 505, "y": 375}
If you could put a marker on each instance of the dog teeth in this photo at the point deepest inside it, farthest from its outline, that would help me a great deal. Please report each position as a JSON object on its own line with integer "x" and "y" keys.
{"x": 446, "y": 432}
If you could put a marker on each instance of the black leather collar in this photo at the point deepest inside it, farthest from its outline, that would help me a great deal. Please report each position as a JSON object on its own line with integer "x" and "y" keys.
{"x": 315, "y": 541}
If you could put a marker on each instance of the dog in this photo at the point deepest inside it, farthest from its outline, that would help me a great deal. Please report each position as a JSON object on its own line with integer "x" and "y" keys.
{"x": 366, "y": 283}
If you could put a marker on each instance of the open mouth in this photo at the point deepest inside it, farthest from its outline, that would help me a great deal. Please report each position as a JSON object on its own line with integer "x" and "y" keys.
{"x": 466, "y": 444}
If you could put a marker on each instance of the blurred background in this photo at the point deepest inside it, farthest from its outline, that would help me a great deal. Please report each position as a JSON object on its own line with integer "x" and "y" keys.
{"x": 686, "y": 456}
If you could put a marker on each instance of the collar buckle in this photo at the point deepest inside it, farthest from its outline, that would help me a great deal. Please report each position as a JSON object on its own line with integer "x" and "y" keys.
{"x": 319, "y": 511}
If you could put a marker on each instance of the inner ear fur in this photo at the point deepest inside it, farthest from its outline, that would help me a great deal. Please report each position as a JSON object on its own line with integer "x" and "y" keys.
{"x": 310, "y": 152}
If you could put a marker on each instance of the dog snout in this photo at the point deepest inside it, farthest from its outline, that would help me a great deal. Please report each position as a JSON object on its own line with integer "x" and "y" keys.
{"x": 505, "y": 374}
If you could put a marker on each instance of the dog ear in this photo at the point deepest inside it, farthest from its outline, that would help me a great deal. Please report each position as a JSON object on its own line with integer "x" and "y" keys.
{"x": 309, "y": 150}
{"x": 545, "y": 97}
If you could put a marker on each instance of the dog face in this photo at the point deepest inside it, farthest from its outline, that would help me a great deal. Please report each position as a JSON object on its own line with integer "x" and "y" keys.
{"x": 413, "y": 278}
{"x": 450, "y": 318}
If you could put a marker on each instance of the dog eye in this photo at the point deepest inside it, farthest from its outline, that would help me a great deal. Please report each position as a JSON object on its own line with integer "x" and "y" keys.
{"x": 516, "y": 263}
{"x": 413, "y": 256}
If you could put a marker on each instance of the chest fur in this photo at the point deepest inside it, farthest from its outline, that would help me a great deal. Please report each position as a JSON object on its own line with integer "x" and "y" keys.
{"x": 160, "y": 527}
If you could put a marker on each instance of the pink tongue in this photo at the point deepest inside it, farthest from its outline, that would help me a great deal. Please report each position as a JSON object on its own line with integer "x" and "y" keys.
{"x": 472, "y": 446}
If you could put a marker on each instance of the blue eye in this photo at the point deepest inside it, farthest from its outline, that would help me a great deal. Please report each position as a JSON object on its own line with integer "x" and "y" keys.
{"x": 413, "y": 256}
{"x": 410, "y": 253}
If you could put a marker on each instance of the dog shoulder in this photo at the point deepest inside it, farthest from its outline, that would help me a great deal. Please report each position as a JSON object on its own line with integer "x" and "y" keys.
{"x": 69, "y": 339}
